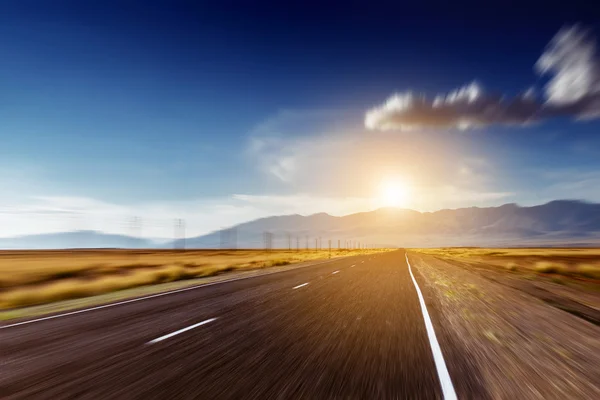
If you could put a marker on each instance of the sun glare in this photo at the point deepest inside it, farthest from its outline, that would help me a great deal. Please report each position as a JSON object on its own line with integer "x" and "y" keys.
{"x": 393, "y": 193}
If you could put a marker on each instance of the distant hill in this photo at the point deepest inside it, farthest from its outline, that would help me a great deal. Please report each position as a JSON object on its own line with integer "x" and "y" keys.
{"x": 561, "y": 222}
{"x": 76, "y": 239}
{"x": 568, "y": 222}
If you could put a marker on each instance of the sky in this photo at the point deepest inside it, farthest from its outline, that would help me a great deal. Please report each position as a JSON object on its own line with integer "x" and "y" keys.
{"x": 220, "y": 114}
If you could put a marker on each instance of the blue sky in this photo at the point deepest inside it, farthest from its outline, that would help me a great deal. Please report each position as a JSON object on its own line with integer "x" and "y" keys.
{"x": 221, "y": 114}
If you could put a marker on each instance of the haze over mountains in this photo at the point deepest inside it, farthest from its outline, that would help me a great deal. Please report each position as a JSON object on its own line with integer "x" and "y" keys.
{"x": 74, "y": 239}
{"x": 561, "y": 222}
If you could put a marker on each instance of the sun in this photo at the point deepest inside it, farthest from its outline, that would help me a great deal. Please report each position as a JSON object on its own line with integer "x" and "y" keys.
{"x": 393, "y": 193}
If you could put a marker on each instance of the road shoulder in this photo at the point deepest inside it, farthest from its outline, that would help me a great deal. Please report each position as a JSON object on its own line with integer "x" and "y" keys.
{"x": 515, "y": 346}
{"x": 44, "y": 310}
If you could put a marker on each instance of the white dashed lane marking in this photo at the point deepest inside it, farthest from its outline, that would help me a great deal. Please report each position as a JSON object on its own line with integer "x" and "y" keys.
{"x": 200, "y": 286}
{"x": 159, "y": 339}
{"x": 299, "y": 286}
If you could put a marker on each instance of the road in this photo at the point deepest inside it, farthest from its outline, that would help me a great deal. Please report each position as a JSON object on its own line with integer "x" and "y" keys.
{"x": 350, "y": 328}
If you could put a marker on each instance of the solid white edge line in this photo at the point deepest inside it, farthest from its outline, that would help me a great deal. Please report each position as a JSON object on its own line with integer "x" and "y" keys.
{"x": 438, "y": 358}
{"x": 153, "y": 296}
{"x": 180, "y": 331}
{"x": 335, "y": 272}
{"x": 299, "y": 286}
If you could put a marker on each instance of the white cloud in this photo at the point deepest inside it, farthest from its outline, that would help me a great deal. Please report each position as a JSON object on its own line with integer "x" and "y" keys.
{"x": 452, "y": 196}
{"x": 307, "y": 204}
{"x": 347, "y": 166}
{"x": 464, "y": 108}
{"x": 48, "y": 214}
{"x": 571, "y": 57}
{"x": 299, "y": 147}
{"x": 573, "y": 90}
{"x": 283, "y": 168}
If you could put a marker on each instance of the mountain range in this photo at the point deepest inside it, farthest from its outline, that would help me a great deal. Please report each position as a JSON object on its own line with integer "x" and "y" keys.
{"x": 560, "y": 222}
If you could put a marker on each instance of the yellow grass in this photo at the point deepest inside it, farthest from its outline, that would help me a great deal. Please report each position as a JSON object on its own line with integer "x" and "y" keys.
{"x": 549, "y": 267}
{"x": 570, "y": 262}
{"x": 37, "y": 277}
{"x": 589, "y": 270}
{"x": 512, "y": 266}
{"x": 467, "y": 252}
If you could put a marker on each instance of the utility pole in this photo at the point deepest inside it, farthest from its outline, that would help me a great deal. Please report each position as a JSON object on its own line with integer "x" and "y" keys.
{"x": 297, "y": 244}
{"x": 268, "y": 241}
{"x": 182, "y": 227}
{"x": 289, "y": 241}
{"x": 329, "y": 248}
{"x": 179, "y": 233}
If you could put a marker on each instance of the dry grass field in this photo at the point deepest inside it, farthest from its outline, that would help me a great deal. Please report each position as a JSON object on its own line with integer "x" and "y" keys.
{"x": 566, "y": 278}
{"x": 577, "y": 263}
{"x": 37, "y": 277}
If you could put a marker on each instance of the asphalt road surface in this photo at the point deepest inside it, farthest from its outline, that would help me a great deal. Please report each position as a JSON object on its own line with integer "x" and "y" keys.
{"x": 351, "y": 328}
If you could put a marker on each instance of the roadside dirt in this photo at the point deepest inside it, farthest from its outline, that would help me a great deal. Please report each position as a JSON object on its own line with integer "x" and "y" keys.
{"x": 522, "y": 345}
{"x": 577, "y": 296}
